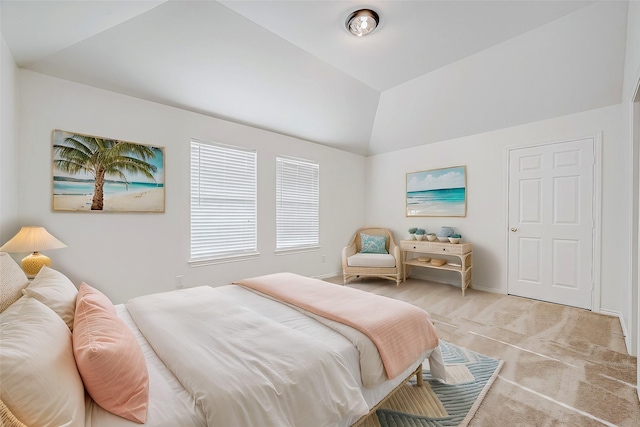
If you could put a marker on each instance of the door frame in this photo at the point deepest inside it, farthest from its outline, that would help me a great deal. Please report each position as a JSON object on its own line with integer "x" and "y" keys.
{"x": 596, "y": 207}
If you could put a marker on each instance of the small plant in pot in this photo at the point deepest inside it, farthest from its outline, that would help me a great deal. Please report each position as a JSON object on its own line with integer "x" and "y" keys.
{"x": 420, "y": 233}
{"x": 431, "y": 237}
{"x": 455, "y": 238}
{"x": 412, "y": 232}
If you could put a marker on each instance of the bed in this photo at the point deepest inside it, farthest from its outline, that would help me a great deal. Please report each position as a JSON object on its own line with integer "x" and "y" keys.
{"x": 231, "y": 355}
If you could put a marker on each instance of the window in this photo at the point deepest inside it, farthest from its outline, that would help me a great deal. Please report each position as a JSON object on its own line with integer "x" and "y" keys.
{"x": 297, "y": 204}
{"x": 223, "y": 202}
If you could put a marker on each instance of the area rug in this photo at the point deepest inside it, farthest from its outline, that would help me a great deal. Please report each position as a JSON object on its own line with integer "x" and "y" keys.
{"x": 435, "y": 404}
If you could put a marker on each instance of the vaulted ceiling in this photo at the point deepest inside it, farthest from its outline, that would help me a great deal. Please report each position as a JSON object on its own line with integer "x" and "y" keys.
{"x": 432, "y": 71}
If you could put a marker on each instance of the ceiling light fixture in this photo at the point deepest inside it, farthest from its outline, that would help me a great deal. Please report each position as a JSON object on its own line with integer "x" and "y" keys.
{"x": 362, "y": 22}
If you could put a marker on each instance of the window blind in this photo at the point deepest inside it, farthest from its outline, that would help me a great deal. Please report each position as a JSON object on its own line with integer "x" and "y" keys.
{"x": 223, "y": 201}
{"x": 297, "y": 204}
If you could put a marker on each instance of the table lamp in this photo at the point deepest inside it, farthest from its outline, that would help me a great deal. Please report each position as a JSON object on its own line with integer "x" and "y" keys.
{"x": 32, "y": 239}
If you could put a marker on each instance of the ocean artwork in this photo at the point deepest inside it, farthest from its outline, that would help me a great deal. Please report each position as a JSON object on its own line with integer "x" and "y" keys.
{"x": 437, "y": 192}
{"x": 96, "y": 174}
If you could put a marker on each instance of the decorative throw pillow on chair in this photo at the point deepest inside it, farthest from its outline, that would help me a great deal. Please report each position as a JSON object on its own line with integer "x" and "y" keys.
{"x": 373, "y": 244}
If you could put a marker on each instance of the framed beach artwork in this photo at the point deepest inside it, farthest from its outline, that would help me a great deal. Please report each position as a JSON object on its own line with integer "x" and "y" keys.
{"x": 437, "y": 192}
{"x": 96, "y": 174}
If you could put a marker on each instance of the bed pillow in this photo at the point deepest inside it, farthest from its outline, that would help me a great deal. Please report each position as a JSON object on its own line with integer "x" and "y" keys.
{"x": 54, "y": 290}
{"x": 39, "y": 381}
{"x": 373, "y": 244}
{"x": 109, "y": 358}
{"x": 12, "y": 281}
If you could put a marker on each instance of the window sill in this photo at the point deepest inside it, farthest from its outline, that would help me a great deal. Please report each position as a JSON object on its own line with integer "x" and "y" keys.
{"x": 222, "y": 259}
{"x": 297, "y": 250}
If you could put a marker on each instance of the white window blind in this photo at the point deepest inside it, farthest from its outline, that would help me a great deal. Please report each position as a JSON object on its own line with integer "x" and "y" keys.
{"x": 297, "y": 204}
{"x": 223, "y": 201}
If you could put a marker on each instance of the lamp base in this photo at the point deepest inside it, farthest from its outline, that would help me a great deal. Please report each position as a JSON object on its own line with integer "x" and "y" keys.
{"x": 31, "y": 264}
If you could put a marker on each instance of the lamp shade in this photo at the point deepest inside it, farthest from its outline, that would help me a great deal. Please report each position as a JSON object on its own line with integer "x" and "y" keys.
{"x": 32, "y": 239}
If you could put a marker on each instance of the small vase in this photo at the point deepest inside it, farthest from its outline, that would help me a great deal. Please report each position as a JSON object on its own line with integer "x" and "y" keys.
{"x": 419, "y": 236}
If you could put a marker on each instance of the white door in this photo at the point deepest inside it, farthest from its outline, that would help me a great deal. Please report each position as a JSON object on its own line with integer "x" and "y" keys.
{"x": 551, "y": 222}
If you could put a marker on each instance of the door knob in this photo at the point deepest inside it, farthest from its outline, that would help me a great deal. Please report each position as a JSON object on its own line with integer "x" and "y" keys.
{"x": 514, "y": 229}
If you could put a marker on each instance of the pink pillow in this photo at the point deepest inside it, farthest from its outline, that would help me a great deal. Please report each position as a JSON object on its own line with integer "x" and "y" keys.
{"x": 109, "y": 358}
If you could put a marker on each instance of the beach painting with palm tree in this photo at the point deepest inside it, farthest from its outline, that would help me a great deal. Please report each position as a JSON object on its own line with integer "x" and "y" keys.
{"x": 96, "y": 174}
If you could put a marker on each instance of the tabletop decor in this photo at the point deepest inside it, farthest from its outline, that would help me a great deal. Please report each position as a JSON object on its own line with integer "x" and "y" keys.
{"x": 437, "y": 192}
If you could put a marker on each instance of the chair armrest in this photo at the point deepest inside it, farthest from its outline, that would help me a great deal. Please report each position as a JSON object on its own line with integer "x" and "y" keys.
{"x": 347, "y": 251}
{"x": 396, "y": 252}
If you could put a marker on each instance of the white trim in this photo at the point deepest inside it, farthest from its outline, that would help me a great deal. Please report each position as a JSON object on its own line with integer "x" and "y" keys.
{"x": 636, "y": 99}
{"x": 623, "y": 326}
{"x": 631, "y": 339}
{"x": 597, "y": 207}
{"x": 636, "y": 333}
{"x": 455, "y": 283}
{"x": 326, "y": 276}
{"x": 597, "y": 218}
{"x": 222, "y": 259}
{"x": 298, "y": 250}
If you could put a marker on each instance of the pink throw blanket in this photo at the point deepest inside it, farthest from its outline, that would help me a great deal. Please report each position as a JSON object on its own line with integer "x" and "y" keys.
{"x": 401, "y": 331}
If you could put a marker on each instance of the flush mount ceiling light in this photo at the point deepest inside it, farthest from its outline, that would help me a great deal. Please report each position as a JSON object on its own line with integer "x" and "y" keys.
{"x": 362, "y": 22}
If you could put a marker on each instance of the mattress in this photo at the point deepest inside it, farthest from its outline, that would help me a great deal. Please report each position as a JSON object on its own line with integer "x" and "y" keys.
{"x": 171, "y": 405}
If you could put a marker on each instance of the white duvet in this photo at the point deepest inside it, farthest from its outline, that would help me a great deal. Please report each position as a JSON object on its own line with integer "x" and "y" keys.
{"x": 243, "y": 369}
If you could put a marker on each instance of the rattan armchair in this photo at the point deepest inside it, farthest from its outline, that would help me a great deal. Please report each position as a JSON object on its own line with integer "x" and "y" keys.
{"x": 351, "y": 271}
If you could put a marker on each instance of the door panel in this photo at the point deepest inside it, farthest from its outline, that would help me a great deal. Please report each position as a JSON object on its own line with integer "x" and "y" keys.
{"x": 551, "y": 221}
{"x": 530, "y": 267}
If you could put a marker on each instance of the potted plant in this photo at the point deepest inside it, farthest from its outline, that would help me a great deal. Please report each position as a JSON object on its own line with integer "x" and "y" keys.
{"x": 420, "y": 233}
{"x": 455, "y": 238}
{"x": 412, "y": 232}
{"x": 431, "y": 237}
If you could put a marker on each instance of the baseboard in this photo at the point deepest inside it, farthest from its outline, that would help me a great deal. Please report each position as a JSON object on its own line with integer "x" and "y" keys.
{"x": 456, "y": 283}
{"x": 625, "y": 332}
{"x": 326, "y": 276}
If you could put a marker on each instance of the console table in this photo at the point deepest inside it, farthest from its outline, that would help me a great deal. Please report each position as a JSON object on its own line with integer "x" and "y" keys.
{"x": 461, "y": 251}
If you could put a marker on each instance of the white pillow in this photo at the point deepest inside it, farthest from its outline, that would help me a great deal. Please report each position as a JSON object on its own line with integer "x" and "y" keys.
{"x": 54, "y": 290}
{"x": 39, "y": 381}
{"x": 12, "y": 281}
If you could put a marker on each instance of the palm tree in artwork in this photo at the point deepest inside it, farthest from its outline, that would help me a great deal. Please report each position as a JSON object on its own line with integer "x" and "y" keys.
{"x": 102, "y": 158}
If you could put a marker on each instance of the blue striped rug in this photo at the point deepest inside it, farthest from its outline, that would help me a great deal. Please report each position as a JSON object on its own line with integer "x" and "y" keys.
{"x": 436, "y": 404}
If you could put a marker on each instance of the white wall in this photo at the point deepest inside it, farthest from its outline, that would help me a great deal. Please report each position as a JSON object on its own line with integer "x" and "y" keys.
{"x": 485, "y": 224}
{"x": 126, "y": 255}
{"x": 9, "y": 223}
{"x": 631, "y": 82}
{"x": 632, "y": 59}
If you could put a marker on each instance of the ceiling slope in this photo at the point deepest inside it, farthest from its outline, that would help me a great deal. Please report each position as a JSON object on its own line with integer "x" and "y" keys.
{"x": 433, "y": 71}
{"x": 203, "y": 57}
{"x": 573, "y": 64}
{"x": 413, "y": 38}
{"x": 35, "y": 29}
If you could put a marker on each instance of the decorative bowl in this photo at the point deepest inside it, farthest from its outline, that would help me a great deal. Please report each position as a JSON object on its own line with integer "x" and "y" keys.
{"x": 443, "y": 238}
{"x": 431, "y": 237}
{"x": 445, "y": 232}
{"x": 454, "y": 239}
